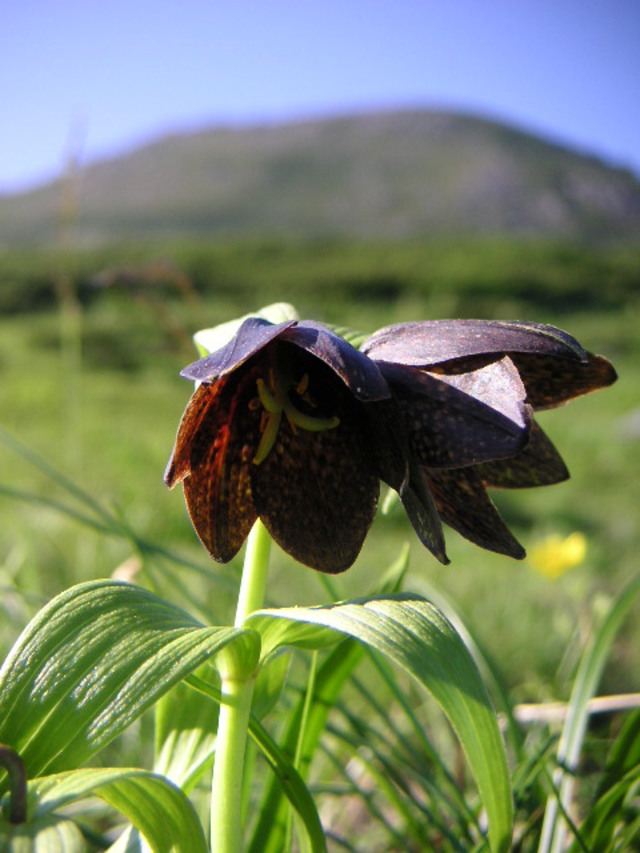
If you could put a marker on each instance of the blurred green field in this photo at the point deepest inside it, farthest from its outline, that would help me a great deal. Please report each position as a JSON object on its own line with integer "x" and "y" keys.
{"x": 91, "y": 343}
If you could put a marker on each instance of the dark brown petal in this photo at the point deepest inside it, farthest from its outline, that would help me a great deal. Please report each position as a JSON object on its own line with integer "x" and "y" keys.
{"x": 396, "y": 465}
{"x": 317, "y": 492}
{"x": 389, "y": 442}
{"x": 449, "y": 428}
{"x": 359, "y": 373}
{"x": 497, "y": 385}
{"x": 179, "y": 465}
{"x": 423, "y": 344}
{"x": 252, "y": 336}
{"x": 538, "y": 464}
{"x": 420, "y": 506}
{"x": 218, "y": 489}
{"x": 552, "y": 381}
{"x": 464, "y": 505}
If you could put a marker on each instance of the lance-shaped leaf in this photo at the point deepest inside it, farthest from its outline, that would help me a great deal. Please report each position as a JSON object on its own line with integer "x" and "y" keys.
{"x": 416, "y": 636}
{"x": 187, "y": 721}
{"x": 92, "y": 661}
{"x": 158, "y": 809}
{"x": 270, "y": 831}
{"x": 288, "y": 778}
{"x": 186, "y": 725}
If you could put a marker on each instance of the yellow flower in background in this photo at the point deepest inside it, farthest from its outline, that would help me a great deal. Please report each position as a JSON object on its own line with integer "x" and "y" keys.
{"x": 554, "y": 555}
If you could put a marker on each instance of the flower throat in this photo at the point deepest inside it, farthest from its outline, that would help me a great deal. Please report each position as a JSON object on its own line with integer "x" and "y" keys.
{"x": 282, "y": 394}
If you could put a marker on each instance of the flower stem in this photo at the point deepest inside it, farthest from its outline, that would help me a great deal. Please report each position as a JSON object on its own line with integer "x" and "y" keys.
{"x": 254, "y": 573}
{"x": 237, "y": 693}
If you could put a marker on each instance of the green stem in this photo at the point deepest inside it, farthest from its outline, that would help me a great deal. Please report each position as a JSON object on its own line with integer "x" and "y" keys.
{"x": 254, "y": 573}
{"x": 237, "y": 694}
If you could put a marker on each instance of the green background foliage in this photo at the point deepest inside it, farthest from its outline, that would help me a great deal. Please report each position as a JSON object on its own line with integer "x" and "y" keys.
{"x": 90, "y": 348}
{"x": 91, "y": 344}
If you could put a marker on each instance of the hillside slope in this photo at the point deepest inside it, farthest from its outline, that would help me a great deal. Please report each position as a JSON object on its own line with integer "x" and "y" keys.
{"x": 396, "y": 174}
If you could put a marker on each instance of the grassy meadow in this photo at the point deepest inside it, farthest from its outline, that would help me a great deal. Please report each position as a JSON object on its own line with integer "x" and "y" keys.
{"x": 91, "y": 344}
{"x": 90, "y": 349}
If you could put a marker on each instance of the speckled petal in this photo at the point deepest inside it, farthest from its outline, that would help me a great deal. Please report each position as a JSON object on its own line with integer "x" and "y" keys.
{"x": 317, "y": 492}
{"x": 359, "y": 373}
{"x": 179, "y": 464}
{"x": 553, "y": 381}
{"x": 428, "y": 343}
{"x": 538, "y": 464}
{"x": 464, "y": 505}
{"x": 252, "y": 336}
{"x": 397, "y": 466}
{"x": 217, "y": 488}
{"x": 497, "y": 385}
{"x": 450, "y": 428}
{"x": 420, "y": 506}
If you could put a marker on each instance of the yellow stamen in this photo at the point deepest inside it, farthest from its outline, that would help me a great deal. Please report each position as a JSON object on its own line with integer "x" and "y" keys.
{"x": 302, "y": 386}
{"x": 268, "y": 400}
{"x": 275, "y": 400}
{"x": 268, "y": 438}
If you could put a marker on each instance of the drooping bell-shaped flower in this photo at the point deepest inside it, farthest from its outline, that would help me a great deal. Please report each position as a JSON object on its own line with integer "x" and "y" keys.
{"x": 293, "y": 425}
{"x": 277, "y": 430}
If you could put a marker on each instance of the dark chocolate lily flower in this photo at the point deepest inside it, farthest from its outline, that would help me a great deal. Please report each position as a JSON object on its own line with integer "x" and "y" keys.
{"x": 293, "y": 425}
{"x": 514, "y": 369}
{"x": 278, "y": 430}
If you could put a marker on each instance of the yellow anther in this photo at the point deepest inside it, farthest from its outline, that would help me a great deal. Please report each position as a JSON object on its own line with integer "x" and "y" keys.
{"x": 275, "y": 401}
{"x": 302, "y": 386}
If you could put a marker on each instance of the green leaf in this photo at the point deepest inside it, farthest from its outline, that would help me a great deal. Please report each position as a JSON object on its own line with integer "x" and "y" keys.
{"x": 158, "y": 809}
{"x": 416, "y": 636}
{"x": 584, "y": 687}
{"x": 607, "y": 814}
{"x": 210, "y": 340}
{"x": 293, "y": 786}
{"x": 269, "y": 683}
{"x": 624, "y": 754}
{"x": 186, "y": 727}
{"x": 48, "y": 834}
{"x": 92, "y": 661}
{"x": 187, "y": 722}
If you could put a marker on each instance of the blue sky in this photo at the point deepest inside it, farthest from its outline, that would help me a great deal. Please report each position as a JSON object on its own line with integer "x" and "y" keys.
{"x": 101, "y": 77}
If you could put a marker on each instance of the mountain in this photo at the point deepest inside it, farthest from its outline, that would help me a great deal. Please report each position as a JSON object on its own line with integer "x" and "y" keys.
{"x": 382, "y": 175}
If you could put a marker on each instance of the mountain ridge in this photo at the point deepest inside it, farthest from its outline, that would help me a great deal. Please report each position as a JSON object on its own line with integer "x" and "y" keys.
{"x": 379, "y": 175}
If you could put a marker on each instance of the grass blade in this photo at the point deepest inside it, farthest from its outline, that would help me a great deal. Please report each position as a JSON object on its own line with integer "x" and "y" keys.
{"x": 584, "y": 687}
